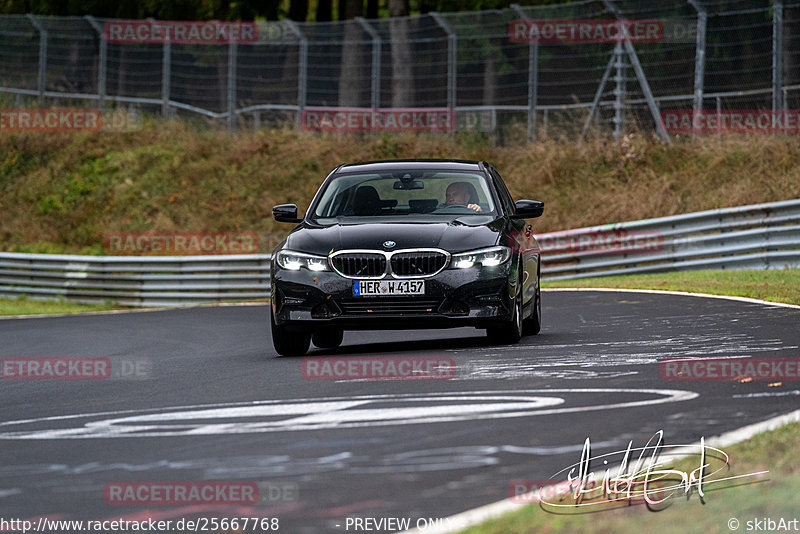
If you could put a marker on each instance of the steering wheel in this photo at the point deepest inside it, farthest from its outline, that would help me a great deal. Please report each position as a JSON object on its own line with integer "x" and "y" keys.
{"x": 449, "y": 207}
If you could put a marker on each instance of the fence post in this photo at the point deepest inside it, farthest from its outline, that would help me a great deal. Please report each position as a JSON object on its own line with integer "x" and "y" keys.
{"x": 166, "y": 74}
{"x": 302, "y": 67}
{"x": 166, "y": 78}
{"x": 619, "y": 90}
{"x": 232, "y": 53}
{"x": 596, "y": 100}
{"x": 376, "y": 62}
{"x": 102, "y": 60}
{"x": 699, "y": 61}
{"x": 42, "y": 56}
{"x": 777, "y": 54}
{"x": 533, "y": 78}
{"x": 452, "y": 59}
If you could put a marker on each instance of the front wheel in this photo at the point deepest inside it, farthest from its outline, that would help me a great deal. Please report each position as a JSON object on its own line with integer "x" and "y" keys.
{"x": 328, "y": 338}
{"x": 510, "y": 332}
{"x": 533, "y": 324}
{"x": 286, "y": 342}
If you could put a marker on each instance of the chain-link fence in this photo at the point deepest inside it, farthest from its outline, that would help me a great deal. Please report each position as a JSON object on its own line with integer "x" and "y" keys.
{"x": 555, "y": 70}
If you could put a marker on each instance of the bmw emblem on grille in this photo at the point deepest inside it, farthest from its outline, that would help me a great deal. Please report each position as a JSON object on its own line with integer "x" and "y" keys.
{"x": 389, "y": 244}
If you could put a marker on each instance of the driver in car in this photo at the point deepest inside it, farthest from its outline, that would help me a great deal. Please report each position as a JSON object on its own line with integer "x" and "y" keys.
{"x": 461, "y": 193}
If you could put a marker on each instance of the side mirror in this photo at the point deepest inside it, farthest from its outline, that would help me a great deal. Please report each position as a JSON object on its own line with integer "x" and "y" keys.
{"x": 528, "y": 209}
{"x": 286, "y": 213}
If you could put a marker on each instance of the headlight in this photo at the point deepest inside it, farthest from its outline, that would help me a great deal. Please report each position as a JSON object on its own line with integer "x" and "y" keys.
{"x": 487, "y": 257}
{"x": 293, "y": 261}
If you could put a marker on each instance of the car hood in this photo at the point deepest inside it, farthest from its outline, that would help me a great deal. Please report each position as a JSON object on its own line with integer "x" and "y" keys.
{"x": 453, "y": 235}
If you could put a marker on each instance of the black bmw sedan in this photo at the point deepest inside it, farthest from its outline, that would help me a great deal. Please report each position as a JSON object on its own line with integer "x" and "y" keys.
{"x": 406, "y": 244}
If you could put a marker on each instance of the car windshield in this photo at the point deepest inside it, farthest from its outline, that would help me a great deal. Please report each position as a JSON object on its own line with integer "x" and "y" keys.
{"x": 405, "y": 193}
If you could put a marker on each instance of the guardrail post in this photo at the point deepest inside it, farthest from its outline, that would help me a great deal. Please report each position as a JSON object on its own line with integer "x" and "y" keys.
{"x": 41, "y": 85}
{"x": 302, "y": 67}
{"x": 533, "y": 79}
{"x": 699, "y": 61}
{"x": 452, "y": 59}
{"x": 102, "y": 60}
{"x": 376, "y": 62}
{"x": 232, "y": 53}
{"x": 777, "y": 54}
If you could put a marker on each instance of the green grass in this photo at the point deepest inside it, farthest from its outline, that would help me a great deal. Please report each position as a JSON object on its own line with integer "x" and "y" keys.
{"x": 24, "y": 306}
{"x": 773, "y": 496}
{"x": 774, "y": 286}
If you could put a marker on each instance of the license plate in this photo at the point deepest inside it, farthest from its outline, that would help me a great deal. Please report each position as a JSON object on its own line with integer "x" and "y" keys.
{"x": 371, "y": 288}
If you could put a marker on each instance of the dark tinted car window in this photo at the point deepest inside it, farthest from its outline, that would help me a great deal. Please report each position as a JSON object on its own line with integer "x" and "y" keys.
{"x": 398, "y": 194}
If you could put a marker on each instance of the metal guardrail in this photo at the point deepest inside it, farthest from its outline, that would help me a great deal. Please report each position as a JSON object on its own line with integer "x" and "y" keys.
{"x": 761, "y": 236}
{"x": 135, "y": 280}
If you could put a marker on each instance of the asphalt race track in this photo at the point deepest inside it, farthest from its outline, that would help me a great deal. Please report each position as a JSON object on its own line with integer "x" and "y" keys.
{"x": 210, "y": 401}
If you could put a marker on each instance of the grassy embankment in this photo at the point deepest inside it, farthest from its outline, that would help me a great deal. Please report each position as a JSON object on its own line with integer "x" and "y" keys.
{"x": 61, "y": 192}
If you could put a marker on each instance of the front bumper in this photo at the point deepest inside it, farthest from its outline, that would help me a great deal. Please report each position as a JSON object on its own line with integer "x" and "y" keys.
{"x": 478, "y": 297}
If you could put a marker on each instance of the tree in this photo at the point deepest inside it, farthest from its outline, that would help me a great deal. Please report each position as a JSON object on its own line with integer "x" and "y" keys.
{"x": 350, "y": 75}
{"x": 324, "y": 11}
{"x": 298, "y": 10}
{"x": 402, "y": 75}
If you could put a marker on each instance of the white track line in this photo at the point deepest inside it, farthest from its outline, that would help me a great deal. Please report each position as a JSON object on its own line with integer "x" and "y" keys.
{"x": 665, "y": 292}
{"x": 476, "y": 516}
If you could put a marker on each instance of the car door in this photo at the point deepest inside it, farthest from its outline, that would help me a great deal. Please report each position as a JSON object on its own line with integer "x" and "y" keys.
{"x": 520, "y": 237}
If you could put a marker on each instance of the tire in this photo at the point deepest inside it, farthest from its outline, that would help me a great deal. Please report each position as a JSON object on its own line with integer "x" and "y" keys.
{"x": 328, "y": 338}
{"x": 288, "y": 343}
{"x": 533, "y": 324}
{"x": 510, "y": 332}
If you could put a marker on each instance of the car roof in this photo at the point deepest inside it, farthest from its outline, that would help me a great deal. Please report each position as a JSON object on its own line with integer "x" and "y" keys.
{"x": 412, "y": 164}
